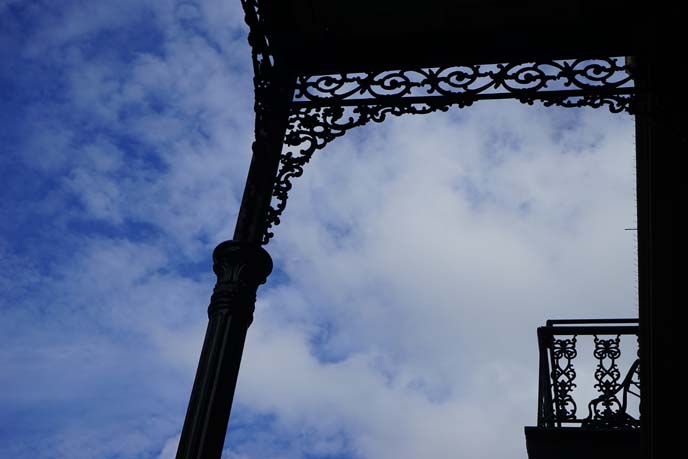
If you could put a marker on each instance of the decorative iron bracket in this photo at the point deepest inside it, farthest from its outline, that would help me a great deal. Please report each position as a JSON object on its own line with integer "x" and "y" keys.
{"x": 324, "y": 107}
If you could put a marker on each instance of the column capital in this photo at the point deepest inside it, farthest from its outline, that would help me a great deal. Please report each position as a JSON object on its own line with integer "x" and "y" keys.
{"x": 240, "y": 268}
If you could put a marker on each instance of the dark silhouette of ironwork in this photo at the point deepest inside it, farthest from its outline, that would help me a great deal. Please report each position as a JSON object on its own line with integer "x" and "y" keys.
{"x": 558, "y": 352}
{"x": 325, "y": 107}
{"x": 606, "y": 426}
{"x": 316, "y": 76}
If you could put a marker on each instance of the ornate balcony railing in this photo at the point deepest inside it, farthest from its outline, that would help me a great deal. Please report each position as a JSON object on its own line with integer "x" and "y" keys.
{"x": 570, "y": 349}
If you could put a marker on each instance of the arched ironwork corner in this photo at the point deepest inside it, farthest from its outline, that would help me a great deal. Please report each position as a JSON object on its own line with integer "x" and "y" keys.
{"x": 325, "y": 107}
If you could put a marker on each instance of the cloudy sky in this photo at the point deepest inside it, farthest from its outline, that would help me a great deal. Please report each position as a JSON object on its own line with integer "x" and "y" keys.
{"x": 414, "y": 262}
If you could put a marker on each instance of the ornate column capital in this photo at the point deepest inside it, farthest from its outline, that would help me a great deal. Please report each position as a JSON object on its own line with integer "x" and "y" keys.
{"x": 240, "y": 268}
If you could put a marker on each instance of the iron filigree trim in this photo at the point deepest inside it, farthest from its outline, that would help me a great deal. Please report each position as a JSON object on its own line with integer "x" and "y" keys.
{"x": 608, "y": 410}
{"x": 311, "y": 129}
{"x": 563, "y": 377}
{"x": 324, "y": 107}
{"x": 616, "y": 404}
{"x": 514, "y": 80}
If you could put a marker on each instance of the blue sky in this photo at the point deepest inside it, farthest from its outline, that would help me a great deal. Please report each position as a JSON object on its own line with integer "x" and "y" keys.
{"x": 413, "y": 264}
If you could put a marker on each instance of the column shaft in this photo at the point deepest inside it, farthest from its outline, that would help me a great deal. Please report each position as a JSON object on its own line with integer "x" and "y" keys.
{"x": 240, "y": 269}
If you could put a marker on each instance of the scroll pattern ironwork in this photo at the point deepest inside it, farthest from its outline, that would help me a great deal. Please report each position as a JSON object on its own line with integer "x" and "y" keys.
{"x": 607, "y": 376}
{"x": 258, "y": 40}
{"x": 265, "y": 80}
{"x": 606, "y": 79}
{"x": 563, "y": 377}
{"x": 311, "y": 129}
{"x": 325, "y": 107}
{"x": 608, "y": 410}
{"x": 611, "y": 408}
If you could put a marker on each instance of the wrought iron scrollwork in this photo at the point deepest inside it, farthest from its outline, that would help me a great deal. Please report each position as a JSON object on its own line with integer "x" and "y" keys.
{"x": 614, "y": 103}
{"x": 514, "y": 80}
{"x": 257, "y": 39}
{"x": 613, "y": 407}
{"x": 563, "y": 377}
{"x": 311, "y": 129}
{"x": 324, "y": 107}
{"x": 264, "y": 78}
{"x": 607, "y": 375}
{"x": 607, "y": 410}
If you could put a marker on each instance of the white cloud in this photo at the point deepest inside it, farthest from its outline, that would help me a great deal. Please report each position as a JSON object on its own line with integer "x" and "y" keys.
{"x": 169, "y": 451}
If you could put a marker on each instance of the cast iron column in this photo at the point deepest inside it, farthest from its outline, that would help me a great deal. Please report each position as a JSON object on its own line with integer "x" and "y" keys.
{"x": 240, "y": 268}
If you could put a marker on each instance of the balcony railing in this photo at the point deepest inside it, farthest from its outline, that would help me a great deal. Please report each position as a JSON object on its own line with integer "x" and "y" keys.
{"x": 570, "y": 348}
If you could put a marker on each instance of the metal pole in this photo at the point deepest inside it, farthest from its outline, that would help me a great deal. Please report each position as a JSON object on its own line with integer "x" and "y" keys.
{"x": 240, "y": 269}
{"x": 241, "y": 266}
